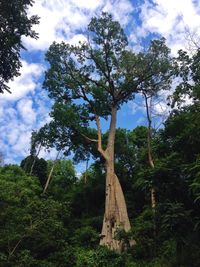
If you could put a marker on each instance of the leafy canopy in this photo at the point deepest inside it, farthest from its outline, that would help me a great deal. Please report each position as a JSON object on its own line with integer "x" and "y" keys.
{"x": 89, "y": 79}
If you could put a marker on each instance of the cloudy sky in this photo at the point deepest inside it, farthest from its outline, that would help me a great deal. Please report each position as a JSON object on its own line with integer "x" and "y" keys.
{"x": 28, "y": 106}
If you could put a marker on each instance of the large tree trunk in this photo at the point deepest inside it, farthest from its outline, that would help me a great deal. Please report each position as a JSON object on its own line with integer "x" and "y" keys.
{"x": 116, "y": 216}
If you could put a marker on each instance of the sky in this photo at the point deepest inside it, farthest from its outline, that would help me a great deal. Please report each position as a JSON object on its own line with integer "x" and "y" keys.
{"x": 27, "y": 108}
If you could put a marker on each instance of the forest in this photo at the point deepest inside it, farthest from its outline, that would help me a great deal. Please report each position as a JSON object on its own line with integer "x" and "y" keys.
{"x": 137, "y": 203}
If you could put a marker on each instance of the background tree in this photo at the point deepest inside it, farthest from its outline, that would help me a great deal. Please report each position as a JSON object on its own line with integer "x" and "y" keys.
{"x": 39, "y": 169}
{"x": 162, "y": 67}
{"x": 188, "y": 71}
{"x": 14, "y": 23}
{"x": 32, "y": 227}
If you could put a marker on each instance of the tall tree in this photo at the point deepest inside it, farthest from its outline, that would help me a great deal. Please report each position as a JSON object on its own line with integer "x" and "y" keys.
{"x": 187, "y": 91}
{"x": 14, "y": 23}
{"x": 90, "y": 82}
{"x": 162, "y": 67}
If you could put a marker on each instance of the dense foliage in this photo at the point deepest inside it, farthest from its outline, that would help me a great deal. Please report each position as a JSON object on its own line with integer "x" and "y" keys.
{"x": 61, "y": 227}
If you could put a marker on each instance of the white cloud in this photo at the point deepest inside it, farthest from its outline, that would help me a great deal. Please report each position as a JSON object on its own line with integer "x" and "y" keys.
{"x": 77, "y": 38}
{"x": 27, "y": 82}
{"x": 62, "y": 20}
{"x": 89, "y": 4}
{"x": 169, "y": 18}
{"x": 137, "y": 106}
{"x": 12, "y": 136}
{"x": 15, "y": 135}
{"x": 25, "y": 108}
{"x": 19, "y": 118}
{"x": 22, "y": 145}
{"x": 59, "y": 20}
{"x": 48, "y": 153}
{"x": 120, "y": 9}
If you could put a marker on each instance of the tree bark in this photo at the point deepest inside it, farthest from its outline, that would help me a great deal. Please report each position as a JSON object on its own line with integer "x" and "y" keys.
{"x": 116, "y": 216}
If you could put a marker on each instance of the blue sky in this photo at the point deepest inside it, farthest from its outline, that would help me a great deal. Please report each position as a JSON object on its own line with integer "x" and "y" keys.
{"x": 27, "y": 108}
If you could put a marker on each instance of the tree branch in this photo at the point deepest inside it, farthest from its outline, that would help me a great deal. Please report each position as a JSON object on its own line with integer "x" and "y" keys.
{"x": 16, "y": 246}
{"x": 100, "y": 149}
{"x": 88, "y": 138}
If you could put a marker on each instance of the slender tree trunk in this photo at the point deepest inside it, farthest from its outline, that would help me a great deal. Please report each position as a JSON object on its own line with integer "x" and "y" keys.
{"x": 50, "y": 174}
{"x": 151, "y": 163}
{"x": 149, "y": 146}
{"x": 33, "y": 164}
{"x": 16, "y": 246}
{"x": 116, "y": 216}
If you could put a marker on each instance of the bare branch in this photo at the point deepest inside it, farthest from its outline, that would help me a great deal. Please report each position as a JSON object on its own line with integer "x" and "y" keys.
{"x": 88, "y": 138}
{"x": 193, "y": 41}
